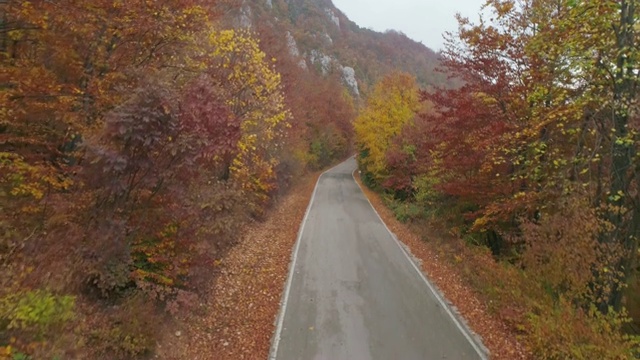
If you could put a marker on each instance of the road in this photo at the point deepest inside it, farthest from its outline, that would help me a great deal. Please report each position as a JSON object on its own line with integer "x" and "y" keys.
{"x": 353, "y": 293}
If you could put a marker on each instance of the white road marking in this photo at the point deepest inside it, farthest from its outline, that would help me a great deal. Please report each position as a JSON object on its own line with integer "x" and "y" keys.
{"x": 285, "y": 297}
{"x": 465, "y": 331}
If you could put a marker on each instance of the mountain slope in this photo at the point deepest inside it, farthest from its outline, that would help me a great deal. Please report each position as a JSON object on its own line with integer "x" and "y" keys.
{"x": 323, "y": 39}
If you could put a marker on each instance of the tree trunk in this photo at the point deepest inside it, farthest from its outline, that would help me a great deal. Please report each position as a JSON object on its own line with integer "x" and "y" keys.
{"x": 625, "y": 232}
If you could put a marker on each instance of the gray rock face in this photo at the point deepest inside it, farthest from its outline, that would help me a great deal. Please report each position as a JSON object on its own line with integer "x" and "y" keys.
{"x": 292, "y": 45}
{"x": 325, "y": 61}
{"x": 245, "y": 17}
{"x": 349, "y": 78}
{"x": 315, "y": 58}
{"x": 332, "y": 16}
{"x": 327, "y": 39}
{"x": 294, "y": 51}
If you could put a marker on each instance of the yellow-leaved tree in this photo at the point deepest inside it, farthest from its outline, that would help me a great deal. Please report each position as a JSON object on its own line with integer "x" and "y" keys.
{"x": 255, "y": 98}
{"x": 392, "y": 105}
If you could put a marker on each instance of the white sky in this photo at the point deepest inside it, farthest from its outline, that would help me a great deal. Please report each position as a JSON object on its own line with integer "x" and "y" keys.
{"x": 421, "y": 20}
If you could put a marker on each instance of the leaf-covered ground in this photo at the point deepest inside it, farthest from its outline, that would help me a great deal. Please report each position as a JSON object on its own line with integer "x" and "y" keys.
{"x": 238, "y": 318}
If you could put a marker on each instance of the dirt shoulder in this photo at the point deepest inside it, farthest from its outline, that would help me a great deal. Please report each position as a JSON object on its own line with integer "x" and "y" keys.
{"x": 238, "y": 318}
{"x": 496, "y": 336}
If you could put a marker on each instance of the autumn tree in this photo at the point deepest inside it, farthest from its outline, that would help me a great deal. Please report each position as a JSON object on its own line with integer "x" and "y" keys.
{"x": 393, "y": 104}
{"x": 594, "y": 110}
{"x": 534, "y": 156}
{"x": 135, "y": 141}
{"x": 577, "y": 76}
{"x": 327, "y": 111}
{"x": 255, "y": 98}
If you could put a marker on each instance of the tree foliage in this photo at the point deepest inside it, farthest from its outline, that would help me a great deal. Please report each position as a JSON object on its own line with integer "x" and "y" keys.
{"x": 392, "y": 105}
{"x": 543, "y": 124}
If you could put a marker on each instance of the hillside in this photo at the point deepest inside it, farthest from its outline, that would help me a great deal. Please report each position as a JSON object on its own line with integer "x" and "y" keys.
{"x": 322, "y": 39}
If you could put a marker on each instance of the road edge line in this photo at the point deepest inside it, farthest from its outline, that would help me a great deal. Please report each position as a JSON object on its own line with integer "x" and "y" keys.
{"x": 275, "y": 342}
{"x": 469, "y": 334}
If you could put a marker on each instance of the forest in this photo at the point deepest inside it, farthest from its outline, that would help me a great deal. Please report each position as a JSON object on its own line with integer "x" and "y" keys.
{"x": 533, "y": 162}
{"x": 139, "y": 139}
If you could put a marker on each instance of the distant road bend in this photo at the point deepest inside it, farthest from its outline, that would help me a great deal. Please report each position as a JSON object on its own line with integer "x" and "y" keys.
{"x": 353, "y": 293}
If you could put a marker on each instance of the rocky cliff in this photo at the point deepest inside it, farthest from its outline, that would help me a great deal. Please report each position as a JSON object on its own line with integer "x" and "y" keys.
{"x": 320, "y": 38}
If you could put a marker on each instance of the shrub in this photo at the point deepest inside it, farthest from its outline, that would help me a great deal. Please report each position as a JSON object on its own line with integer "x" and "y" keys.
{"x": 565, "y": 332}
{"x": 35, "y": 311}
{"x": 110, "y": 280}
{"x": 129, "y": 333}
{"x": 425, "y": 189}
{"x": 404, "y": 211}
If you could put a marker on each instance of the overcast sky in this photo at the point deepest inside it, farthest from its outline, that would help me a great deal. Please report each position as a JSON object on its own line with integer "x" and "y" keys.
{"x": 421, "y": 20}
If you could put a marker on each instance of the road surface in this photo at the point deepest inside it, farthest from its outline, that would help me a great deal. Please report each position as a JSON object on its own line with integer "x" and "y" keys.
{"x": 353, "y": 293}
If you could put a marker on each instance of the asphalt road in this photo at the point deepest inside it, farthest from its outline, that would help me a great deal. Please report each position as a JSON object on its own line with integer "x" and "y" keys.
{"x": 353, "y": 293}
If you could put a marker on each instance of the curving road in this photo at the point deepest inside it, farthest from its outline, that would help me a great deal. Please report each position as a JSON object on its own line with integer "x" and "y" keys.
{"x": 353, "y": 293}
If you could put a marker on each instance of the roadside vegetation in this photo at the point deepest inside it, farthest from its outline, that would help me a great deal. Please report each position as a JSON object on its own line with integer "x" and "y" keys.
{"x": 532, "y": 162}
{"x": 137, "y": 141}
